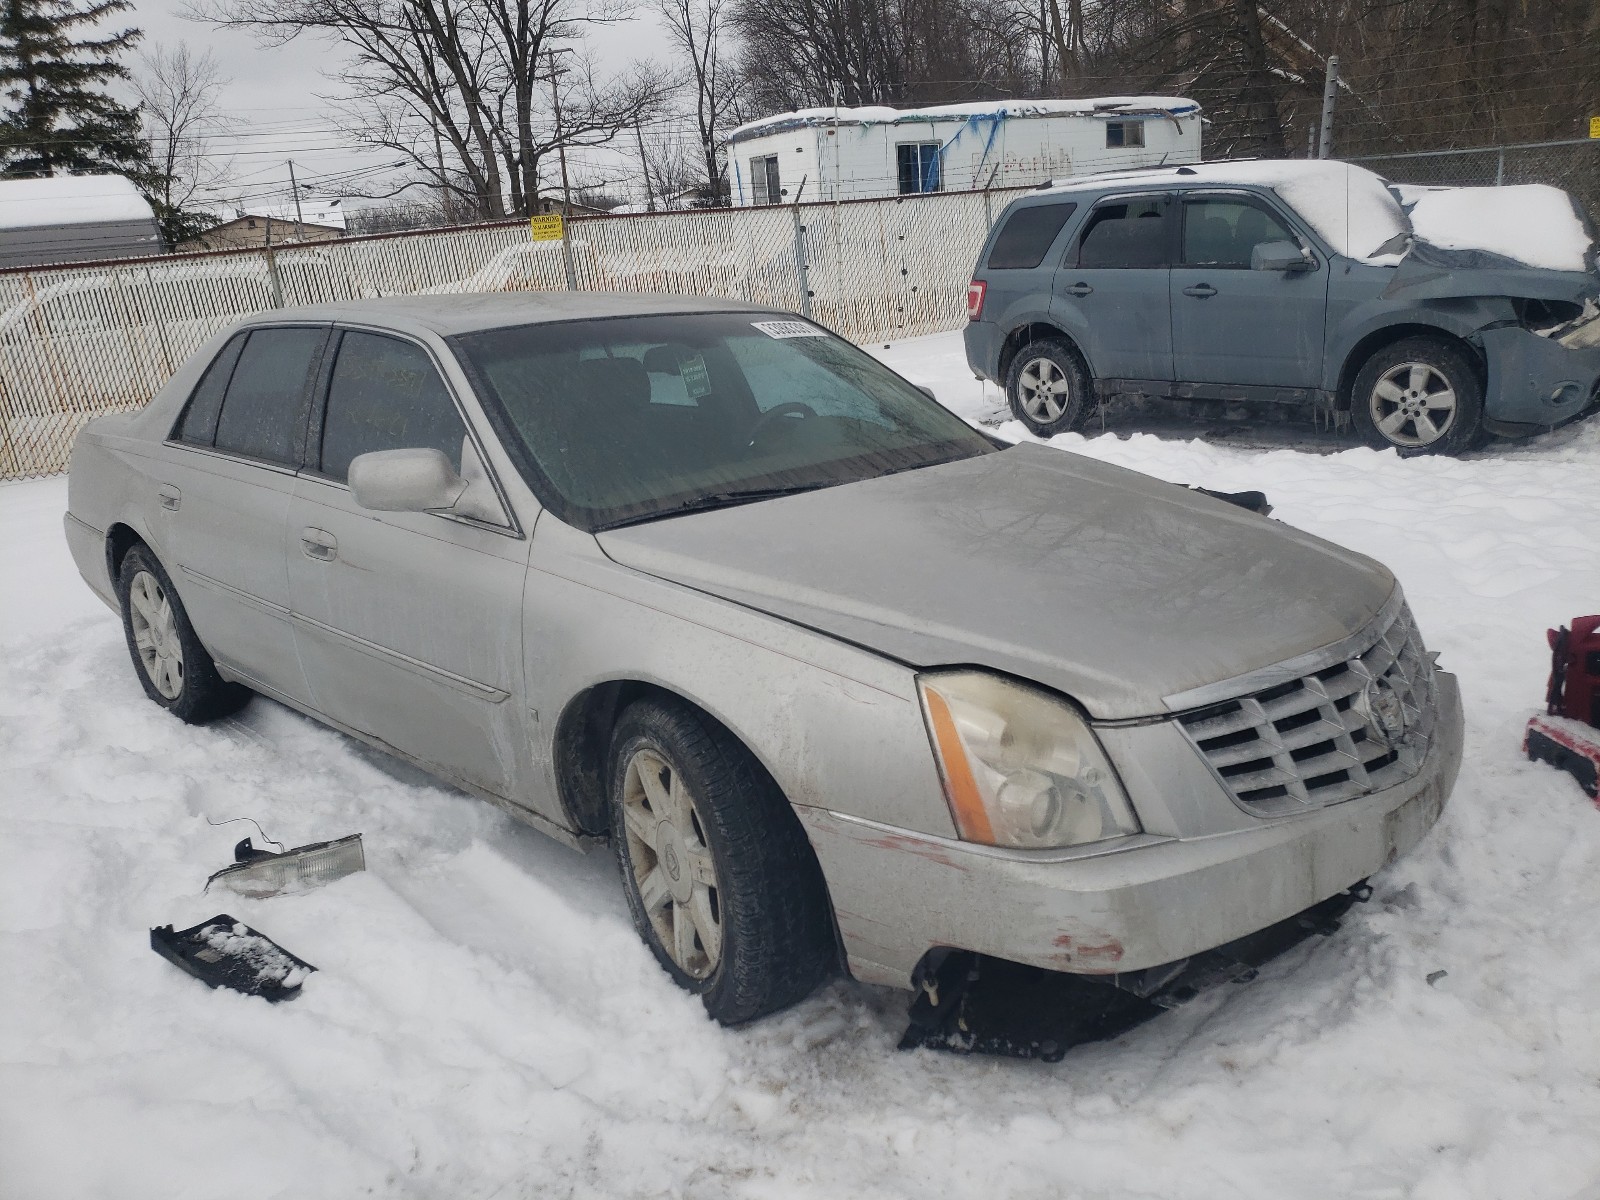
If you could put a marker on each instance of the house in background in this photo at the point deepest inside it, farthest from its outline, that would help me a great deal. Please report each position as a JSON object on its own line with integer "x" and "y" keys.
{"x": 862, "y": 153}
{"x": 274, "y": 224}
{"x": 74, "y": 218}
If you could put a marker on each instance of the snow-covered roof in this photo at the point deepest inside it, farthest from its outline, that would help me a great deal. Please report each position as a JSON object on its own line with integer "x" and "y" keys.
{"x": 1103, "y": 107}
{"x": 65, "y": 200}
{"x": 1351, "y": 208}
{"x": 312, "y": 212}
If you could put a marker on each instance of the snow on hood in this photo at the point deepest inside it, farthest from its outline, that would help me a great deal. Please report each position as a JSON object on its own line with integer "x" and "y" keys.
{"x": 1533, "y": 223}
{"x": 1109, "y": 586}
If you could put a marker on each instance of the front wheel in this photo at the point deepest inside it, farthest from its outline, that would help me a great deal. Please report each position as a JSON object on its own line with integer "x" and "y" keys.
{"x": 719, "y": 875}
{"x": 1047, "y": 387}
{"x": 1421, "y": 395}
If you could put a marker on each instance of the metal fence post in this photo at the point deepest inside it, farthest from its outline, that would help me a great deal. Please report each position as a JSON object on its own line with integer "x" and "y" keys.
{"x": 802, "y": 269}
{"x": 274, "y": 283}
{"x": 1330, "y": 92}
{"x": 1500, "y": 167}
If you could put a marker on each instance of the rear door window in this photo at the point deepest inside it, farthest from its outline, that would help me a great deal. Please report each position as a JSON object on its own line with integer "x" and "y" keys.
{"x": 198, "y": 426}
{"x": 386, "y": 394}
{"x": 1127, "y": 233}
{"x": 264, "y": 410}
{"x": 1027, "y": 236}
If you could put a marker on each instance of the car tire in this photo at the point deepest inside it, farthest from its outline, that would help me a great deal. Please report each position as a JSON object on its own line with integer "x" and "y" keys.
{"x": 720, "y": 878}
{"x": 1047, "y": 387}
{"x": 1421, "y": 395}
{"x": 175, "y": 669}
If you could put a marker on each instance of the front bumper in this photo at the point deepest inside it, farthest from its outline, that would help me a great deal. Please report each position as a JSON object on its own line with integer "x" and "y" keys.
{"x": 1535, "y": 382}
{"x": 1150, "y": 901}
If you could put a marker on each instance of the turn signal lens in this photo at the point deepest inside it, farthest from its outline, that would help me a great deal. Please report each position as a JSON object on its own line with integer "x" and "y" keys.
{"x": 1020, "y": 767}
{"x": 976, "y": 291}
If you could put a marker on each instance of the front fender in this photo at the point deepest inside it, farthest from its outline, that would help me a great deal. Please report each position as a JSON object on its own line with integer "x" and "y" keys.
{"x": 1461, "y": 318}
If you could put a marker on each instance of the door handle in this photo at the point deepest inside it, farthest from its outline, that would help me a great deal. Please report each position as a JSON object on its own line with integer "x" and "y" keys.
{"x": 1200, "y": 290}
{"x": 169, "y": 496}
{"x": 319, "y": 544}
{"x": 1079, "y": 289}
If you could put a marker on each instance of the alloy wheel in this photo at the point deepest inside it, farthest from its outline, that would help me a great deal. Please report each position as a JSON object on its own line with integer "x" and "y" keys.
{"x": 155, "y": 633}
{"x": 672, "y": 864}
{"x": 1413, "y": 404}
{"x": 1044, "y": 390}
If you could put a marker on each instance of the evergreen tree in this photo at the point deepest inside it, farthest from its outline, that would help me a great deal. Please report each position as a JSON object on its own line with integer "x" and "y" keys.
{"x": 59, "y": 118}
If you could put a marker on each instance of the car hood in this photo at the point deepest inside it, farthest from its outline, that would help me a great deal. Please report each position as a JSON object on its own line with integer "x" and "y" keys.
{"x": 1110, "y": 586}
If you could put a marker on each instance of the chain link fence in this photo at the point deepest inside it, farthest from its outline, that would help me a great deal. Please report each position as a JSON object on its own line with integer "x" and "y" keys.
{"x": 79, "y": 341}
{"x": 1571, "y": 165}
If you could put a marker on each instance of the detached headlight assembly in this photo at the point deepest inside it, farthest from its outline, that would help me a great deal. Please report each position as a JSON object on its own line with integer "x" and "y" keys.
{"x": 1021, "y": 768}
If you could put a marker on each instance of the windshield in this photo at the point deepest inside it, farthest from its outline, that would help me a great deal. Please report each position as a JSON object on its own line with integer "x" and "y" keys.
{"x": 627, "y": 419}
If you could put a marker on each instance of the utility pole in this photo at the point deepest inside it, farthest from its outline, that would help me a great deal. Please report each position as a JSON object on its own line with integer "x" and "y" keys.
{"x": 1330, "y": 89}
{"x": 561, "y": 153}
{"x": 644, "y": 165}
{"x": 294, "y": 190}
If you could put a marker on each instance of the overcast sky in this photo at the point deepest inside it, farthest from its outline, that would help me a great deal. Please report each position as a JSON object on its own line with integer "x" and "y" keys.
{"x": 285, "y": 101}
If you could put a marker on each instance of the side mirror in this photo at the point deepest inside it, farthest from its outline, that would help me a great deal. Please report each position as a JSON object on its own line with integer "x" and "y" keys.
{"x": 926, "y": 391}
{"x": 1279, "y": 256}
{"x": 405, "y": 481}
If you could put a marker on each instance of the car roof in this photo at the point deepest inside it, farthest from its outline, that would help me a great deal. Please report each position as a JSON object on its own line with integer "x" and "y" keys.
{"x": 471, "y": 311}
{"x": 1234, "y": 172}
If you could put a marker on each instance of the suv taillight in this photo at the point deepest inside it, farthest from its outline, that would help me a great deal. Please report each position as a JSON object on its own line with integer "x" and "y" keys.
{"x": 975, "y": 293}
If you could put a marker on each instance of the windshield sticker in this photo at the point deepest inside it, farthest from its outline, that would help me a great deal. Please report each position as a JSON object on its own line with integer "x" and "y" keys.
{"x": 696, "y": 380}
{"x": 788, "y": 329}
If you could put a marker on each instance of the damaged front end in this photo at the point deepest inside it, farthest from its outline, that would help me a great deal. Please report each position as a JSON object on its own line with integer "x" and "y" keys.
{"x": 1542, "y": 358}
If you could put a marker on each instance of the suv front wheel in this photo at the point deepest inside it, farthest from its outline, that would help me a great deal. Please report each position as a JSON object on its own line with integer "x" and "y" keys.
{"x": 1421, "y": 395}
{"x": 1047, "y": 387}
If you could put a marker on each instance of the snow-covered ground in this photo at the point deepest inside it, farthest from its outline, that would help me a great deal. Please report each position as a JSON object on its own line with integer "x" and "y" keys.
{"x": 484, "y": 1022}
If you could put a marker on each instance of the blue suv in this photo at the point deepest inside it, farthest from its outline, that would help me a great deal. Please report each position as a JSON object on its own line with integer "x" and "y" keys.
{"x": 1422, "y": 313}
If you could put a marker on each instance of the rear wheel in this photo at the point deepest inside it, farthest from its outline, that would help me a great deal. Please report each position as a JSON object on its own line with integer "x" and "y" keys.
{"x": 719, "y": 875}
{"x": 173, "y": 666}
{"x": 1421, "y": 395}
{"x": 1047, "y": 387}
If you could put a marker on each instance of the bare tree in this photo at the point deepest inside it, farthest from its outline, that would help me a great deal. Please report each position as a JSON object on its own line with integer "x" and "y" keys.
{"x": 178, "y": 93}
{"x": 700, "y": 29}
{"x": 461, "y": 88}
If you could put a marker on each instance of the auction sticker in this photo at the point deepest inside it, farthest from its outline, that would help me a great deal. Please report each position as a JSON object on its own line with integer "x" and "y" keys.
{"x": 788, "y": 329}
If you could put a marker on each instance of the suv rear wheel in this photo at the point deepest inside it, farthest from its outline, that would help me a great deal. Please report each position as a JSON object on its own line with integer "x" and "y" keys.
{"x": 1419, "y": 396}
{"x": 1047, "y": 386}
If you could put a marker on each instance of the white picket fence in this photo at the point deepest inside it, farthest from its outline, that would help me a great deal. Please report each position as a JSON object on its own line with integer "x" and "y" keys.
{"x": 79, "y": 341}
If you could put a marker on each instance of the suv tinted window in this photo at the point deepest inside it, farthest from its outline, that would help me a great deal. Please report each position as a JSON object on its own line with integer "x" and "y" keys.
{"x": 1126, "y": 233}
{"x": 1027, "y": 236}
{"x": 199, "y": 422}
{"x": 1220, "y": 231}
{"x": 266, "y": 396}
{"x": 386, "y": 394}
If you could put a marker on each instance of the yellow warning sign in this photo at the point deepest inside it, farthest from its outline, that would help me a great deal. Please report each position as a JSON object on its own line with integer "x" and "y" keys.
{"x": 1594, "y": 127}
{"x": 546, "y": 227}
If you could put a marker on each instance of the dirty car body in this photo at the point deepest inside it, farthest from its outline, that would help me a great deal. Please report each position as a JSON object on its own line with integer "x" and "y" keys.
{"x": 1019, "y": 702}
{"x": 1279, "y": 282}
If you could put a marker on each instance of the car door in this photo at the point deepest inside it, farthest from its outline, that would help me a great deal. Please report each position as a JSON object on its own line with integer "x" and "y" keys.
{"x": 1111, "y": 292}
{"x": 409, "y": 624}
{"x": 1235, "y": 325}
{"x": 223, "y": 501}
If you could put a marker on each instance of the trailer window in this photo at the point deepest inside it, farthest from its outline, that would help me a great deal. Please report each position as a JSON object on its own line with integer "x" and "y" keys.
{"x": 918, "y": 164}
{"x": 1027, "y": 235}
{"x": 1121, "y": 134}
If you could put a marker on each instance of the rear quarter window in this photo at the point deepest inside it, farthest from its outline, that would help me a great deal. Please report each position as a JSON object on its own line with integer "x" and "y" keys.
{"x": 198, "y": 425}
{"x": 1027, "y": 236}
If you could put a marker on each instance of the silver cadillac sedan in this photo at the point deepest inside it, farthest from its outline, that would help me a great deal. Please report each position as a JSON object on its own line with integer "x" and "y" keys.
{"x": 845, "y": 683}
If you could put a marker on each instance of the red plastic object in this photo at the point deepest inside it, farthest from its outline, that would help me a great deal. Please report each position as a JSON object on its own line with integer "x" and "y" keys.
{"x": 1574, "y": 688}
{"x": 1565, "y": 744}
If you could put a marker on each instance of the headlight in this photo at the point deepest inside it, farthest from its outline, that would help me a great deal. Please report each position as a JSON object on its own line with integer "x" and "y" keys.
{"x": 1021, "y": 768}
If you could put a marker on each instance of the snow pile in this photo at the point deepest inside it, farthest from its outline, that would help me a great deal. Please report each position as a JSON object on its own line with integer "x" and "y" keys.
{"x": 484, "y": 1022}
{"x": 1530, "y": 223}
{"x": 70, "y": 200}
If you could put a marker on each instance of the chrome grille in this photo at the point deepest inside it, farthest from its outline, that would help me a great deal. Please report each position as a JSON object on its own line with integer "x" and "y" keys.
{"x": 1355, "y": 727}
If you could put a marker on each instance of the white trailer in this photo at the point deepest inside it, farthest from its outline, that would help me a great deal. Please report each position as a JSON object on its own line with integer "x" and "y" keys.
{"x": 861, "y": 153}
{"x": 74, "y": 218}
